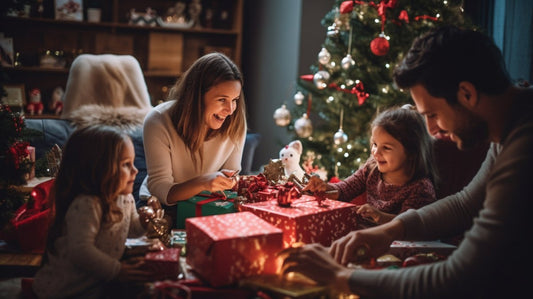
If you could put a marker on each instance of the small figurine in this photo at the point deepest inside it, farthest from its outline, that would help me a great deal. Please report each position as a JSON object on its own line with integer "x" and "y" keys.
{"x": 195, "y": 9}
{"x": 290, "y": 157}
{"x": 35, "y": 106}
{"x": 176, "y": 14}
{"x": 56, "y": 103}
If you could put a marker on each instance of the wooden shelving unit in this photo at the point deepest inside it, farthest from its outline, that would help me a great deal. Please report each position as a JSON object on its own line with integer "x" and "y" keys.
{"x": 163, "y": 52}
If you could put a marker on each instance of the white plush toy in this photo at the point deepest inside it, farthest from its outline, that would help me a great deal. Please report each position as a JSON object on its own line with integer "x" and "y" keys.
{"x": 290, "y": 157}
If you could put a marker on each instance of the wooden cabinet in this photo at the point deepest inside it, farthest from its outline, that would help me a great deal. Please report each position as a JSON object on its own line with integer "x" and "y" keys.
{"x": 163, "y": 52}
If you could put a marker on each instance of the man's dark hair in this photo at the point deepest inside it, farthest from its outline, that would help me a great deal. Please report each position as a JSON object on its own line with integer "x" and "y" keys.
{"x": 445, "y": 56}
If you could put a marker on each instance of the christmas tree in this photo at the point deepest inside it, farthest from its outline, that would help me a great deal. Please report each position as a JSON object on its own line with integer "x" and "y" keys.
{"x": 15, "y": 164}
{"x": 352, "y": 78}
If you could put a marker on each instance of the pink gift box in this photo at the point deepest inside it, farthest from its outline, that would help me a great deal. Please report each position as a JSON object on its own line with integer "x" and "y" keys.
{"x": 222, "y": 249}
{"x": 305, "y": 221}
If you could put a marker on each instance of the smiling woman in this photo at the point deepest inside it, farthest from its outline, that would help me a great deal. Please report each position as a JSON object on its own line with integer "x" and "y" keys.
{"x": 196, "y": 136}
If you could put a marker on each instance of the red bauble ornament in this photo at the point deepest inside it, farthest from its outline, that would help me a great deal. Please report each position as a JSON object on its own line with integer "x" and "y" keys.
{"x": 380, "y": 46}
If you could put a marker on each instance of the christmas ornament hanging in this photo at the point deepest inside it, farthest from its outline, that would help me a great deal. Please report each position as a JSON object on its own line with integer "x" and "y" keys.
{"x": 303, "y": 126}
{"x": 340, "y": 137}
{"x": 347, "y": 62}
{"x": 380, "y": 45}
{"x": 282, "y": 116}
{"x": 324, "y": 56}
{"x": 321, "y": 79}
{"x": 298, "y": 98}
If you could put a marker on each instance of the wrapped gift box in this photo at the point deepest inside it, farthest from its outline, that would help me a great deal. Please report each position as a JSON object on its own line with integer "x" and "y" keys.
{"x": 305, "y": 221}
{"x": 166, "y": 262}
{"x": 404, "y": 249}
{"x": 204, "y": 204}
{"x": 223, "y": 249}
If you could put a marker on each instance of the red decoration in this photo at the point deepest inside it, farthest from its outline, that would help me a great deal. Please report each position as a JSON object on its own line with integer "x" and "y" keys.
{"x": 361, "y": 94}
{"x": 307, "y": 77}
{"x": 223, "y": 249}
{"x": 426, "y": 17}
{"x": 31, "y": 220}
{"x": 404, "y": 16}
{"x": 347, "y": 6}
{"x": 334, "y": 180}
{"x": 380, "y": 46}
{"x": 358, "y": 90}
{"x": 18, "y": 153}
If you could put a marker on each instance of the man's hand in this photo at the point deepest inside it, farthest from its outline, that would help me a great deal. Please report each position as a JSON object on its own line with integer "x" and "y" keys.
{"x": 314, "y": 261}
{"x": 360, "y": 245}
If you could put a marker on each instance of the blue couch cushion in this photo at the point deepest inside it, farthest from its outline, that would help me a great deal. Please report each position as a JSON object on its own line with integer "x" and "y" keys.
{"x": 250, "y": 145}
{"x": 57, "y": 131}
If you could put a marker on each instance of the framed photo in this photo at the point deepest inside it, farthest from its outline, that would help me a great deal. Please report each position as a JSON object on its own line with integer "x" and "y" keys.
{"x": 16, "y": 97}
{"x": 6, "y": 51}
{"x": 69, "y": 10}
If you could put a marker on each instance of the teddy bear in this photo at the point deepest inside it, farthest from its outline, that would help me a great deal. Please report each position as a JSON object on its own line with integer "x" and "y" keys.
{"x": 35, "y": 106}
{"x": 290, "y": 158}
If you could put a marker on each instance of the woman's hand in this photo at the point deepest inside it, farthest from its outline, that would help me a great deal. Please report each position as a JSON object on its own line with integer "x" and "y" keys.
{"x": 314, "y": 261}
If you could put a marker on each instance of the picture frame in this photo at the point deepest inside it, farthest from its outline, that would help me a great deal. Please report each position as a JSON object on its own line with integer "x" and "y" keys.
{"x": 7, "y": 57}
{"x": 68, "y": 10}
{"x": 16, "y": 97}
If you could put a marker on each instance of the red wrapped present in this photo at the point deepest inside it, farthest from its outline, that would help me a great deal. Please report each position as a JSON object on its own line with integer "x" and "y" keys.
{"x": 31, "y": 221}
{"x": 222, "y": 249}
{"x": 306, "y": 221}
{"x": 166, "y": 262}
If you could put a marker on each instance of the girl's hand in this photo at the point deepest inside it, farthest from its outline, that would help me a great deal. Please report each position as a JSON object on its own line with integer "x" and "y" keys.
{"x": 369, "y": 212}
{"x": 135, "y": 269}
{"x": 316, "y": 184}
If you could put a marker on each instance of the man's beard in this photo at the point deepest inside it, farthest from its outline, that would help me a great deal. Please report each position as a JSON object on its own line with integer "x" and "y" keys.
{"x": 472, "y": 132}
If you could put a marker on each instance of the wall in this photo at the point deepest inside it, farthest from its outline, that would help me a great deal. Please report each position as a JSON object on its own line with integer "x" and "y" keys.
{"x": 513, "y": 32}
{"x": 281, "y": 39}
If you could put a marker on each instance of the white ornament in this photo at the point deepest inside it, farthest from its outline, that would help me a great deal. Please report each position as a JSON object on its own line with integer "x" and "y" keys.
{"x": 321, "y": 79}
{"x": 299, "y": 98}
{"x": 282, "y": 116}
{"x": 303, "y": 126}
{"x": 347, "y": 62}
{"x": 340, "y": 137}
{"x": 324, "y": 56}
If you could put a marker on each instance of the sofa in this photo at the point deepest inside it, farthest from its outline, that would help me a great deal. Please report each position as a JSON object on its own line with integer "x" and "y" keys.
{"x": 57, "y": 131}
